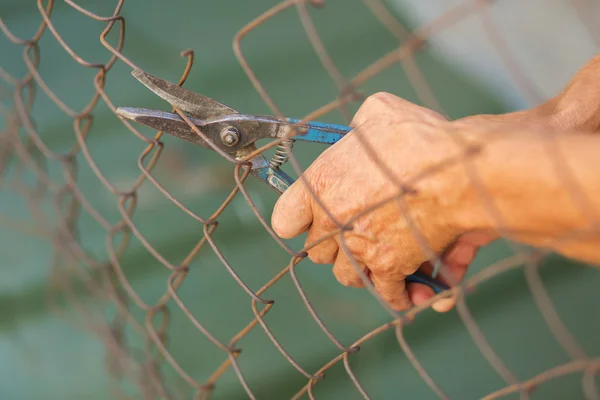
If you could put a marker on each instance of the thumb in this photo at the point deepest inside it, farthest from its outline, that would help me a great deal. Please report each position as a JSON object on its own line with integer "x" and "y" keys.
{"x": 292, "y": 214}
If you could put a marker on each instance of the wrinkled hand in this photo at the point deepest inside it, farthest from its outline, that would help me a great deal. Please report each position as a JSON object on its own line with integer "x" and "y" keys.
{"x": 393, "y": 150}
{"x": 405, "y": 142}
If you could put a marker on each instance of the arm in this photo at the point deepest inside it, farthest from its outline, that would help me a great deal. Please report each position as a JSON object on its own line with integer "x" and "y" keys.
{"x": 561, "y": 170}
{"x": 575, "y": 108}
{"x": 543, "y": 185}
{"x": 540, "y": 189}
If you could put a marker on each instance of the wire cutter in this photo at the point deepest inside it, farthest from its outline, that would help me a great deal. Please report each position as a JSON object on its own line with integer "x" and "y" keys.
{"x": 236, "y": 134}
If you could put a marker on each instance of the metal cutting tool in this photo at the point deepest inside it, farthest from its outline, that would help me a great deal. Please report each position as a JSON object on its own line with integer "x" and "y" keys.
{"x": 236, "y": 134}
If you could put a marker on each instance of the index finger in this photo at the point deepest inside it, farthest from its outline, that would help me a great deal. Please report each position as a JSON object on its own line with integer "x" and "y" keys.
{"x": 292, "y": 214}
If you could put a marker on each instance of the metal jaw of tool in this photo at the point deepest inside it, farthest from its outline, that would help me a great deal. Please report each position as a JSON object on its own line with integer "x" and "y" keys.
{"x": 236, "y": 134}
{"x": 230, "y": 131}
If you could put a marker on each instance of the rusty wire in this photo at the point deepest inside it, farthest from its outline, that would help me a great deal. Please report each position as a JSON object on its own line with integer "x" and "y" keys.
{"x": 105, "y": 277}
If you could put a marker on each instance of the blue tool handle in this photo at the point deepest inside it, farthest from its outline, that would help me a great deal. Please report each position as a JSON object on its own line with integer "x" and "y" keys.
{"x": 434, "y": 284}
{"x": 320, "y": 132}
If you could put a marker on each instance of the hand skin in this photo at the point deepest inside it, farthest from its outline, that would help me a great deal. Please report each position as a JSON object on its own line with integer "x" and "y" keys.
{"x": 533, "y": 178}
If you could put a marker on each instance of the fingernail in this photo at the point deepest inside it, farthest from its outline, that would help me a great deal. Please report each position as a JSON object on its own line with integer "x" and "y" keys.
{"x": 443, "y": 305}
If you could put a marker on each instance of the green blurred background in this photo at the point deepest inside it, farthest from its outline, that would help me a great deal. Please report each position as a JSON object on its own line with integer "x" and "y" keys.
{"x": 44, "y": 356}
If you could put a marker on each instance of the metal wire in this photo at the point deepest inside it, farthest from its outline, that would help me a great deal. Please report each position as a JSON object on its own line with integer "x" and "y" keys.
{"x": 105, "y": 277}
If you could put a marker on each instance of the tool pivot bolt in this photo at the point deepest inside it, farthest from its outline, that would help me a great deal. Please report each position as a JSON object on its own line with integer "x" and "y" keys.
{"x": 230, "y": 136}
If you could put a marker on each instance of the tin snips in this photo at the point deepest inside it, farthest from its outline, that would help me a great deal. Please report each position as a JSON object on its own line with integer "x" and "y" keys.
{"x": 235, "y": 134}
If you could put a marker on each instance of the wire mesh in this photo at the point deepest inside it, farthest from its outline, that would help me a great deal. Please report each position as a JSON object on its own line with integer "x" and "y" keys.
{"x": 57, "y": 202}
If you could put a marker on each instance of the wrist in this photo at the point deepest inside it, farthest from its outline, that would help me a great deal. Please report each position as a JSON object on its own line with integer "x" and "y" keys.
{"x": 459, "y": 185}
{"x": 471, "y": 211}
{"x": 488, "y": 180}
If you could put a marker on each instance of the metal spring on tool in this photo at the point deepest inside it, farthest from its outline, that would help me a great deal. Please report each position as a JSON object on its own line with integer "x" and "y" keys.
{"x": 281, "y": 153}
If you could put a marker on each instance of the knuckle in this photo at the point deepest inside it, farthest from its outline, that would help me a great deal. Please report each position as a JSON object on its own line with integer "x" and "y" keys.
{"x": 387, "y": 261}
{"x": 376, "y": 101}
{"x": 346, "y": 279}
{"x": 357, "y": 246}
{"x": 386, "y": 268}
{"x": 395, "y": 107}
{"x": 324, "y": 252}
{"x": 372, "y": 104}
{"x": 381, "y": 97}
{"x": 319, "y": 257}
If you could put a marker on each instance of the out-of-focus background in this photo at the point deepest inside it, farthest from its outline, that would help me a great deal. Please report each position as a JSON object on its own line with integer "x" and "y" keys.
{"x": 45, "y": 355}
{"x": 547, "y": 41}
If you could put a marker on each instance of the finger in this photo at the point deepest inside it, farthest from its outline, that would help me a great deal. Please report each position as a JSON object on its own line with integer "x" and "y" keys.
{"x": 345, "y": 272}
{"x": 417, "y": 292}
{"x": 326, "y": 251}
{"x": 456, "y": 262}
{"x": 292, "y": 214}
{"x": 393, "y": 291}
{"x": 458, "y": 258}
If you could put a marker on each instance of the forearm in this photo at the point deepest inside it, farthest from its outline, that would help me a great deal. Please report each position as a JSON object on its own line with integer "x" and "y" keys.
{"x": 576, "y": 107}
{"x": 539, "y": 189}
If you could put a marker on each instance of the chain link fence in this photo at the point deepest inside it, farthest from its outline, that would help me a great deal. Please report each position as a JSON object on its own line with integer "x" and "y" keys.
{"x": 138, "y": 329}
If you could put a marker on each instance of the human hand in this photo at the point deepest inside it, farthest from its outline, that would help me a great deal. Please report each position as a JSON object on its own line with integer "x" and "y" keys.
{"x": 440, "y": 214}
{"x": 407, "y": 141}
